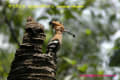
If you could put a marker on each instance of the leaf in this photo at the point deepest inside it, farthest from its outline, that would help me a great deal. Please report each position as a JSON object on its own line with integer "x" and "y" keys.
{"x": 88, "y": 3}
{"x": 68, "y": 14}
{"x": 116, "y": 48}
{"x": 82, "y": 68}
{"x": 112, "y": 17}
{"x": 43, "y": 17}
{"x": 18, "y": 18}
{"x": 1, "y": 69}
{"x": 53, "y": 10}
{"x": 73, "y": 62}
{"x": 100, "y": 72}
{"x": 88, "y": 31}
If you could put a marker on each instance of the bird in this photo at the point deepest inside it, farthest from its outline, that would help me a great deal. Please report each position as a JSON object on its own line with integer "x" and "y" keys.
{"x": 56, "y": 41}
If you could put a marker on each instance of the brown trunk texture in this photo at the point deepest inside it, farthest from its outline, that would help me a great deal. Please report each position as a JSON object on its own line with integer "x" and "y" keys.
{"x": 29, "y": 62}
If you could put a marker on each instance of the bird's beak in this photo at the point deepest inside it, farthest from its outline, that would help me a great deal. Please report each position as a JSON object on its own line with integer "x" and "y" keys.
{"x": 70, "y": 33}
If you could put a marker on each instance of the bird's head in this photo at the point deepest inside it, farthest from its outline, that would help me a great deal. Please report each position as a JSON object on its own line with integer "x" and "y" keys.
{"x": 57, "y": 25}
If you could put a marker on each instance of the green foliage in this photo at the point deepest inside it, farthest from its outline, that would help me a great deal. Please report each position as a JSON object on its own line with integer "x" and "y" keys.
{"x": 82, "y": 68}
{"x": 68, "y": 14}
{"x": 88, "y": 31}
{"x": 43, "y": 17}
{"x": 93, "y": 24}
{"x": 72, "y": 62}
{"x": 101, "y": 72}
{"x": 53, "y": 10}
{"x": 115, "y": 58}
{"x": 5, "y": 62}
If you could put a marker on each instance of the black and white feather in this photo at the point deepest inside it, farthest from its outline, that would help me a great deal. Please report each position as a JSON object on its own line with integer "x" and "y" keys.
{"x": 53, "y": 46}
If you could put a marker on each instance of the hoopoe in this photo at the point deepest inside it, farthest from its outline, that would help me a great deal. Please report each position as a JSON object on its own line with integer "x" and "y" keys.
{"x": 56, "y": 41}
{"x": 59, "y": 29}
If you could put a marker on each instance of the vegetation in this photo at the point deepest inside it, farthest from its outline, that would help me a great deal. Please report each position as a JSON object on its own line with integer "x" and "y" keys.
{"x": 94, "y": 25}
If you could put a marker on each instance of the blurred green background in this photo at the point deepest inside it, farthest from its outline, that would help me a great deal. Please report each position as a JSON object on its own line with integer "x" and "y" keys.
{"x": 95, "y": 50}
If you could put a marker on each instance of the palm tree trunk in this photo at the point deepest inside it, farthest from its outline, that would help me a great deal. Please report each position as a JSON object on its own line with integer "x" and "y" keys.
{"x": 29, "y": 62}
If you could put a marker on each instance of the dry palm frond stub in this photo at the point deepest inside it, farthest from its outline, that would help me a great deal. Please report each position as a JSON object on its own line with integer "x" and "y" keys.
{"x": 30, "y": 63}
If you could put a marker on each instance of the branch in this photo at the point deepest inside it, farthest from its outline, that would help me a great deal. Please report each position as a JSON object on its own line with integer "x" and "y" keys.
{"x": 9, "y": 22}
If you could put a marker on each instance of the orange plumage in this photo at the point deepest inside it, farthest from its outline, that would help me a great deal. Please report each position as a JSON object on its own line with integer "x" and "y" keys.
{"x": 59, "y": 29}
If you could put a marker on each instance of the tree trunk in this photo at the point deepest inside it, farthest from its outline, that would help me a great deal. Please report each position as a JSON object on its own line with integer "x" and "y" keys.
{"x": 30, "y": 63}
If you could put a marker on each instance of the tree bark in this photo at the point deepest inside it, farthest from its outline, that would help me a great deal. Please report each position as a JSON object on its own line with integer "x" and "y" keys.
{"x": 29, "y": 62}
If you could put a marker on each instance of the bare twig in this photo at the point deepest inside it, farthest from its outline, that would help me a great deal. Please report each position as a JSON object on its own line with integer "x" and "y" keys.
{"x": 9, "y": 22}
